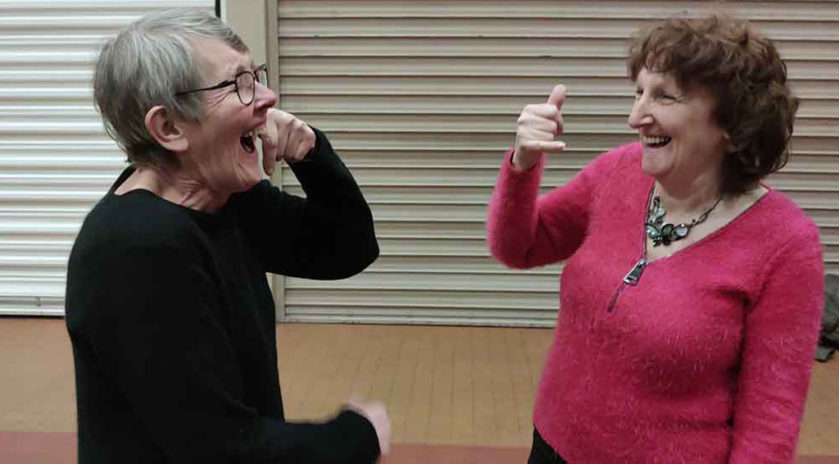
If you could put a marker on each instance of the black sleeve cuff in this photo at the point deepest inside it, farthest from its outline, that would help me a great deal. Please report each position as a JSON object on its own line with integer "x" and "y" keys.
{"x": 361, "y": 435}
{"x": 319, "y": 138}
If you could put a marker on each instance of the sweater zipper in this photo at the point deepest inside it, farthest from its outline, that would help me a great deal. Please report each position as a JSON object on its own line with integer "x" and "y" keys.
{"x": 631, "y": 278}
{"x": 634, "y": 275}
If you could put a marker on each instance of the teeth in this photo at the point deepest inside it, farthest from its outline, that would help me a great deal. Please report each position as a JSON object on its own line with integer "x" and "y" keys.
{"x": 247, "y": 141}
{"x": 654, "y": 140}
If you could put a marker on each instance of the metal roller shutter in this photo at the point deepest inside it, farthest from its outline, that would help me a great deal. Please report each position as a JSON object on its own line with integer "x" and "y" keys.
{"x": 421, "y": 98}
{"x": 55, "y": 160}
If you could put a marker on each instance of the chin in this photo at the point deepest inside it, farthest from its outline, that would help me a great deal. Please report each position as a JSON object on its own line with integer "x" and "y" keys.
{"x": 653, "y": 165}
{"x": 248, "y": 176}
{"x": 649, "y": 168}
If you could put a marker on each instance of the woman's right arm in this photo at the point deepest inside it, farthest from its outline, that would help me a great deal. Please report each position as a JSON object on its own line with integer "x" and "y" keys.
{"x": 525, "y": 230}
{"x": 156, "y": 328}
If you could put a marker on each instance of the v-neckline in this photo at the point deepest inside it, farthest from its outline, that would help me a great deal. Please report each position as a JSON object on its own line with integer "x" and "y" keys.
{"x": 709, "y": 236}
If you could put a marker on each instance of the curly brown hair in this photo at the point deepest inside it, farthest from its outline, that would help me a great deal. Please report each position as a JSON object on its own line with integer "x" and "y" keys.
{"x": 743, "y": 69}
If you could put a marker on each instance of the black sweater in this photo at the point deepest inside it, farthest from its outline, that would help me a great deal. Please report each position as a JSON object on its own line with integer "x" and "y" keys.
{"x": 172, "y": 321}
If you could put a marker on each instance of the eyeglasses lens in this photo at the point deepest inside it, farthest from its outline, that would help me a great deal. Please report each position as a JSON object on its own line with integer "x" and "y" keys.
{"x": 245, "y": 87}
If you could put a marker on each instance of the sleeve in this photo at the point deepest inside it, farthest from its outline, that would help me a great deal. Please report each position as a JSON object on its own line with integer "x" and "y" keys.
{"x": 160, "y": 336}
{"x": 327, "y": 235}
{"x": 527, "y": 230}
{"x": 782, "y": 328}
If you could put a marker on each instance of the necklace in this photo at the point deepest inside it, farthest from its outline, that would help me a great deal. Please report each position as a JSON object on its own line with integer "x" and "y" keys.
{"x": 665, "y": 233}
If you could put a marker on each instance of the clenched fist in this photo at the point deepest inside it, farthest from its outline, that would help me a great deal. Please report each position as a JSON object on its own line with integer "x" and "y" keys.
{"x": 538, "y": 127}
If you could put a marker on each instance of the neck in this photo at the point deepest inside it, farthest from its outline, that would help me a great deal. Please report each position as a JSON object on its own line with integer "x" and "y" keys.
{"x": 176, "y": 186}
{"x": 686, "y": 197}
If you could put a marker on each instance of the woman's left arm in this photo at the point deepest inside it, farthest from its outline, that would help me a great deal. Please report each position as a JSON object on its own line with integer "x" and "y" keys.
{"x": 782, "y": 327}
{"x": 327, "y": 235}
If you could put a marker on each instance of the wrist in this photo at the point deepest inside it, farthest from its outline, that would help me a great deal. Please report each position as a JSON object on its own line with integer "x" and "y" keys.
{"x": 522, "y": 163}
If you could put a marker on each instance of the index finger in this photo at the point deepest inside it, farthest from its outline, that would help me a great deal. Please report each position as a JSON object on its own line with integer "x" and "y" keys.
{"x": 557, "y": 97}
{"x": 269, "y": 148}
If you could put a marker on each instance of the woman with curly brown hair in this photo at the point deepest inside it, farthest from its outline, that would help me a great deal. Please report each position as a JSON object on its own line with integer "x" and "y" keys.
{"x": 691, "y": 298}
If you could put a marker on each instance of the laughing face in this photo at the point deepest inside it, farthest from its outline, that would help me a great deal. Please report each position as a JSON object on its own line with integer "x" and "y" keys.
{"x": 222, "y": 155}
{"x": 680, "y": 138}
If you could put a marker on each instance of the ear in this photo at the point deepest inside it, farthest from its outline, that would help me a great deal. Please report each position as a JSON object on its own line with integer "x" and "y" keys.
{"x": 166, "y": 130}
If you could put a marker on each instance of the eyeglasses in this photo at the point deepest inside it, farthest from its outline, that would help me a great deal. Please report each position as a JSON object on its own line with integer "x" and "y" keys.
{"x": 244, "y": 81}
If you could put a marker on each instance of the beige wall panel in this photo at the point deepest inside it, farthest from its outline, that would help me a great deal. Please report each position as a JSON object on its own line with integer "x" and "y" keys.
{"x": 247, "y": 18}
{"x": 420, "y": 99}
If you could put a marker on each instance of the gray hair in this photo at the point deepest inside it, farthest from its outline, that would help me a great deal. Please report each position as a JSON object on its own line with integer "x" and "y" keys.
{"x": 145, "y": 66}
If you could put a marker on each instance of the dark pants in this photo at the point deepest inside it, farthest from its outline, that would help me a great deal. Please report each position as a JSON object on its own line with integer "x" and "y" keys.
{"x": 542, "y": 453}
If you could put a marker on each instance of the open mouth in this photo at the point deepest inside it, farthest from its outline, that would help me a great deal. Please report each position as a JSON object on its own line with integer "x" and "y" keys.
{"x": 655, "y": 142}
{"x": 247, "y": 141}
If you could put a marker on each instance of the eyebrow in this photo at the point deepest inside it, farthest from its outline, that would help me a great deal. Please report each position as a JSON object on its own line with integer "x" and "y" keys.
{"x": 249, "y": 67}
{"x": 231, "y": 71}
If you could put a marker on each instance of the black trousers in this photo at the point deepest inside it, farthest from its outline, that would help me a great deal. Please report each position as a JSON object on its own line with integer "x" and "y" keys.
{"x": 542, "y": 453}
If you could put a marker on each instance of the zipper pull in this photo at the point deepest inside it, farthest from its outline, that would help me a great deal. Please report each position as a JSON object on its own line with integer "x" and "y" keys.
{"x": 634, "y": 274}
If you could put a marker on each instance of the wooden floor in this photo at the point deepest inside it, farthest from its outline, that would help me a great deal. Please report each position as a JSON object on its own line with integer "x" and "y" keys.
{"x": 455, "y": 394}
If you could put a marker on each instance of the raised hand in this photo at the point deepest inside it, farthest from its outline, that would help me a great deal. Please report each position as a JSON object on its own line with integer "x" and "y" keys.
{"x": 284, "y": 137}
{"x": 538, "y": 127}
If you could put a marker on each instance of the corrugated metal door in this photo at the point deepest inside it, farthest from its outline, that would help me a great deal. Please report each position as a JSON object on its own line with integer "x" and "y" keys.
{"x": 421, "y": 98}
{"x": 55, "y": 160}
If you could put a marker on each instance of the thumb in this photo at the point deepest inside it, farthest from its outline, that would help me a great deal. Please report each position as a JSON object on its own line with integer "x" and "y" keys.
{"x": 557, "y": 96}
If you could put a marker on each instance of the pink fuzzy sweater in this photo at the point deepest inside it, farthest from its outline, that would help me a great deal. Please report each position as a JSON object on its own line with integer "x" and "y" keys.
{"x": 706, "y": 360}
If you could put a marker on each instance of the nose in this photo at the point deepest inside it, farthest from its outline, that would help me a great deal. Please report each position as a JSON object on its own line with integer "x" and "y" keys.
{"x": 640, "y": 115}
{"x": 263, "y": 97}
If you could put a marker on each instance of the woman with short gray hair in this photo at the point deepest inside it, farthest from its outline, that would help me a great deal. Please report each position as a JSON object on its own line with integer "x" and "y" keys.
{"x": 168, "y": 309}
